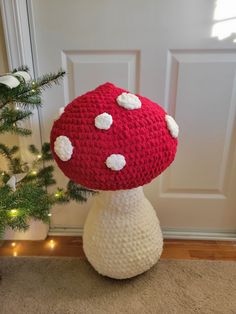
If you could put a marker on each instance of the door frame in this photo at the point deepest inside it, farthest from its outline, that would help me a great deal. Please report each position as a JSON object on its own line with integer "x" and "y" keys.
{"x": 20, "y": 40}
{"x": 19, "y": 46}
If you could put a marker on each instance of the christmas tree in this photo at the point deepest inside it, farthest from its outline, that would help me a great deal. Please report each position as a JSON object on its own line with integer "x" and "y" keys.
{"x": 24, "y": 192}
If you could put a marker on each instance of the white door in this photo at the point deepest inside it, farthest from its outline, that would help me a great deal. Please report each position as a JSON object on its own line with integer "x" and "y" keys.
{"x": 181, "y": 54}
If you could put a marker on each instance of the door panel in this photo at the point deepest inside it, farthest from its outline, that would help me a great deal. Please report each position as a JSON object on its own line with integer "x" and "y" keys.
{"x": 167, "y": 51}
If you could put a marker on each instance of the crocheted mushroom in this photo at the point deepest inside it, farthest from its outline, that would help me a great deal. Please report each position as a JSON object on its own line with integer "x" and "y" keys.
{"x": 114, "y": 141}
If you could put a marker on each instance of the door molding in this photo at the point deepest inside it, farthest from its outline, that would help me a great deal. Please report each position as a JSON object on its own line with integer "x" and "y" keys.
{"x": 18, "y": 39}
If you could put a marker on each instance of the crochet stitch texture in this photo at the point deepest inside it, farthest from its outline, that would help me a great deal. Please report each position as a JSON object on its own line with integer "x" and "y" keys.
{"x": 122, "y": 235}
{"x": 140, "y": 135}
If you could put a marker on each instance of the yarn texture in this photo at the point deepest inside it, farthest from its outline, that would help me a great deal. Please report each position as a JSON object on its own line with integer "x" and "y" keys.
{"x": 63, "y": 148}
{"x": 141, "y": 135}
{"x": 114, "y": 141}
{"x": 122, "y": 235}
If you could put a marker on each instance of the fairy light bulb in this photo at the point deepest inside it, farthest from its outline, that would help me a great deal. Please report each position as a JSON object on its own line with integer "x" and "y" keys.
{"x": 49, "y": 214}
{"x": 13, "y": 244}
{"x": 14, "y": 212}
{"x": 52, "y": 244}
{"x": 39, "y": 156}
{"x": 34, "y": 172}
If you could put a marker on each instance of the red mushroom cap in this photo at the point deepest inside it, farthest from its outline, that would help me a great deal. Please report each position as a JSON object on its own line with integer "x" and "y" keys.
{"x": 109, "y": 139}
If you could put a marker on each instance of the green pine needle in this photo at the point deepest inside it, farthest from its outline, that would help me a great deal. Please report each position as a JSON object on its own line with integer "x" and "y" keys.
{"x": 13, "y": 150}
{"x": 26, "y": 96}
{"x": 46, "y": 152}
{"x": 21, "y": 68}
{"x": 78, "y": 192}
{"x": 5, "y": 151}
{"x": 48, "y": 80}
{"x": 31, "y": 198}
{"x": 33, "y": 149}
{"x": 9, "y": 119}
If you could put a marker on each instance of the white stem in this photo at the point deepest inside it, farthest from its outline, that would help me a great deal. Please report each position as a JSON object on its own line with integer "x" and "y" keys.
{"x": 122, "y": 236}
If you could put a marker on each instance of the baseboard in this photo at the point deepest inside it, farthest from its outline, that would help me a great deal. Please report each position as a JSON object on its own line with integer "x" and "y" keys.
{"x": 167, "y": 234}
{"x": 199, "y": 235}
{"x": 58, "y": 231}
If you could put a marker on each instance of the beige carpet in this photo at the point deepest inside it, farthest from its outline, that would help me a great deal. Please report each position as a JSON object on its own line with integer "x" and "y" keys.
{"x": 70, "y": 285}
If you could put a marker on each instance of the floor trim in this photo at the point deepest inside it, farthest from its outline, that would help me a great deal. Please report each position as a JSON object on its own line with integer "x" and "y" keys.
{"x": 57, "y": 231}
{"x": 167, "y": 233}
{"x": 198, "y": 235}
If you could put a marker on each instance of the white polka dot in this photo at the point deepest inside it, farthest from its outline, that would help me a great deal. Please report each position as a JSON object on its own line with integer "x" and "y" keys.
{"x": 103, "y": 121}
{"x": 63, "y": 148}
{"x": 60, "y": 112}
{"x": 115, "y": 162}
{"x": 129, "y": 101}
{"x": 172, "y": 126}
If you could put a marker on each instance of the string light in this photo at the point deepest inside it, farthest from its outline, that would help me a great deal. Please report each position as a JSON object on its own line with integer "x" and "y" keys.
{"x": 3, "y": 173}
{"x": 34, "y": 172}
{"x": 14, "y": 212}
{"x": 59, "y": 194}
{"x": 52, "y": 244}
{"x": 33, "y": 90}
{"x": 13, "y": 244}
{"x": 49, "y": 214}
{"x": 39, "y": 156}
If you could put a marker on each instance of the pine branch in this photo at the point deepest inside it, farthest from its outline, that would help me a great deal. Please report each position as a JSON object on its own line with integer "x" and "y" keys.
{"x": 5, "y": 151}
{"x": 48, "y": 80}
{"x": 33, "y": 149}
{"x": 9, "y": 118}
{"x": 45, "y": 176}
{"x": 31, "y": 198}
{"x": 15, "y": 164}
{"x": 4, "y": 177}
{"x": 15, "y": 130}
{"x": 12, "y": 115}
{"x": 25, "y": 95}
{"x": 46, "y": 152}
{"x": 17, "y": 207}
{"x": 78, "y": 192}
{"x": 24, "y": 68}
{"x": 60, "y": 196}
{"x": 28, "y": 101}
{"x": 14, "y": 149}
{"x": 29, "y": 94}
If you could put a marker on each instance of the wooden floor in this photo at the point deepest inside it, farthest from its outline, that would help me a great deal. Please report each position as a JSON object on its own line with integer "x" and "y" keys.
{"x": 72, "y": 246}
